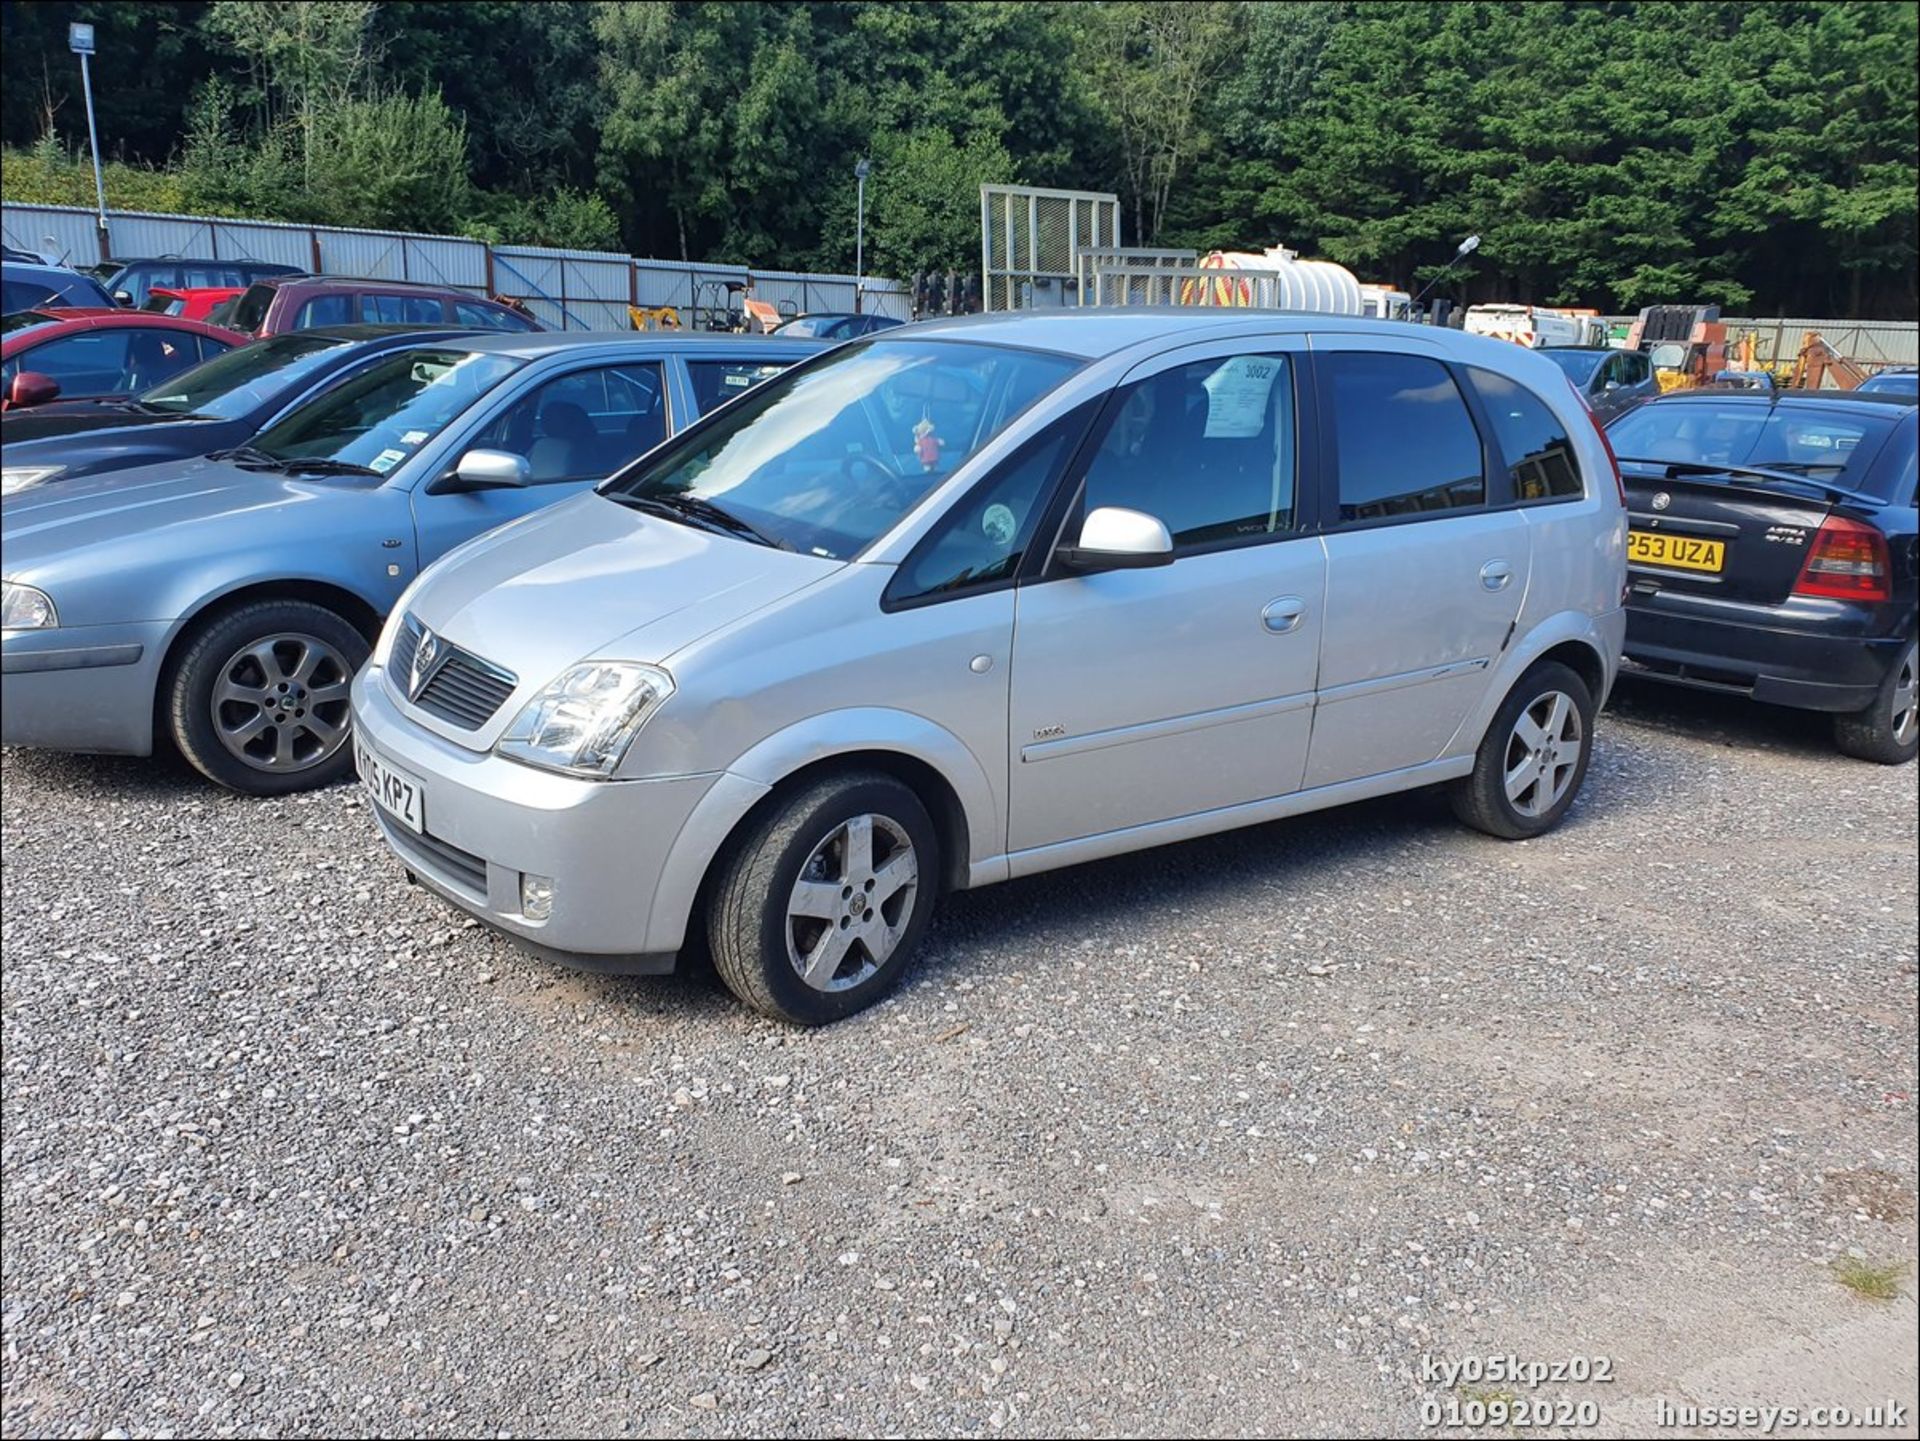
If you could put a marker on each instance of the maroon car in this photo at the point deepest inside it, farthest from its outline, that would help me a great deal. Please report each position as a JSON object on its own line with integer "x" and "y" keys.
{"x": 83, "y": 353}
{"x": 281, "y": 303}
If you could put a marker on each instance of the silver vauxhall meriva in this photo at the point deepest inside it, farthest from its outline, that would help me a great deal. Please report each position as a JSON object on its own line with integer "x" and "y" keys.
{"x": 983, "y": 597}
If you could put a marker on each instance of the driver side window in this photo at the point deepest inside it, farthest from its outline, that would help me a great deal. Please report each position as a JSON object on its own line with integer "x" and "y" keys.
{"x": 980, "y": 541}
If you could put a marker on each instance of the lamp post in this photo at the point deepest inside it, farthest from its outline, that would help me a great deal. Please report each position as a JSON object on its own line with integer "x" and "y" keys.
{"x": 80, "y": 41}
{"x": 860, "y": 173}
{"x": 1467, "y": 247}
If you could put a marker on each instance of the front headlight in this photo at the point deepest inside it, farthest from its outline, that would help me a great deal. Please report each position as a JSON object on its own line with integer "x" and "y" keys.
{"x": 584, "y": 721}
{"x": 24, "y": 608}
{"x": 19, "y": 477}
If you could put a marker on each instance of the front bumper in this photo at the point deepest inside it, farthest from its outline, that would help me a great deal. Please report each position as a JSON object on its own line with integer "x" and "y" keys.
{"x": 81, "y": 688}
{"x": 622, "y": 855}
{"x": 1768, "y": 653}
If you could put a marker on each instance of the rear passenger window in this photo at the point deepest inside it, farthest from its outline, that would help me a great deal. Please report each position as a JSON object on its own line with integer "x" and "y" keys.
{"x": 400, "y": 310}
{"x": 486, "y": 317}
{"x": 1407, "y": 444}
{"x": 715, "y": 382}
{"x": 1538, "y": 453}
{"x": 325, "y": 310}
{"x": 1207, "y": 448}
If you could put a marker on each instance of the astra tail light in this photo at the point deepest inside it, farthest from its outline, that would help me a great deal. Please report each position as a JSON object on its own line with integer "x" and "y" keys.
{"x": 1600, "y": 429}
{"x": 1848, "y": 561}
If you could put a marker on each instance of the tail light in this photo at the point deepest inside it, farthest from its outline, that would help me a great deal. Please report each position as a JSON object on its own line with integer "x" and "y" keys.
{"x": 1600, "y": 429}
{"x": 1848, "y": 561}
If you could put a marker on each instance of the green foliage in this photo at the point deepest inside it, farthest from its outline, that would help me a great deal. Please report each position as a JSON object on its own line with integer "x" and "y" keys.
{"x": 49, "y": 174}
{"x": 1608, "y": 152}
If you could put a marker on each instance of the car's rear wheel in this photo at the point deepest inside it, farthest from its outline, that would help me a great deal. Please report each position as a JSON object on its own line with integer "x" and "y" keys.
{"x": 816, "y": 912}
{"x": 1888, "y": 731}
{"x": 1533, "y": 758}
{"x": 258, "y": 698}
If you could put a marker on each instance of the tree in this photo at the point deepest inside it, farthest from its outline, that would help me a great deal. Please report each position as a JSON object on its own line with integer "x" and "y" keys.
{"x": 304, "y": 57}
{"x": 1155, "y": 65}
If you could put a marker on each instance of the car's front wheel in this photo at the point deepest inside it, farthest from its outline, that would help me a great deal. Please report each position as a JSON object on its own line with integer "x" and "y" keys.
{"x": 257, "y": 700}
{"x": 1533, "y": 758}
{"x": 815, "y": 914}
{"x": 1888, "y": 731}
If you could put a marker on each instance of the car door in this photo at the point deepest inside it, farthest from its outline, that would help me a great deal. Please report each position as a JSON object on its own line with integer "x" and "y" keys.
{"x": 1144, "y": 695}
{"x": 1427, "y": 562}
{"x": 573, "y": 430}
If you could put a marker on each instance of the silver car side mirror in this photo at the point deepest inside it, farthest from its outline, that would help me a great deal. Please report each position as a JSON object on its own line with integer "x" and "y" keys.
{"x": 492, "y": 470}
{"x": 1115, "y": 538}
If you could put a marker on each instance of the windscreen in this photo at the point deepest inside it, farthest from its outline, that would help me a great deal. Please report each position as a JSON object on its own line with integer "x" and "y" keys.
{"x": 827, "y": 457}
{"x": 229, "y": 386}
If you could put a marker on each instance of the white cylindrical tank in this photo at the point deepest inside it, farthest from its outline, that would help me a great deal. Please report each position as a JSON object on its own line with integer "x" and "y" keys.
{"x": 1289, "y": 283}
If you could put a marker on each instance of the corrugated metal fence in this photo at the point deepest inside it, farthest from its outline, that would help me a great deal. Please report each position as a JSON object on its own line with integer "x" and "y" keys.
{"x": 566, "y": 289}
{"x": 1873, "y": 343}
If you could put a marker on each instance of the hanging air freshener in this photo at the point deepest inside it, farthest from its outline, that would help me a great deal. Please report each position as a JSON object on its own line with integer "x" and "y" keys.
{"x": 926, "y": 445}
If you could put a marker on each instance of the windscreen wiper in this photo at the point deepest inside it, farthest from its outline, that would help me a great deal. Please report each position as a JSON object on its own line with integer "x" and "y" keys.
{"x": 1678, "y": 468}
{"x": 247, "y": 455}
{"x": 692, "y": 507}
{"x": 255, "y": 458}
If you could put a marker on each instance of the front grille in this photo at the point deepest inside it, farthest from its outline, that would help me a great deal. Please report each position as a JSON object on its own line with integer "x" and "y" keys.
{"x": 464, "y": 689}
{"x": 446, "y": 863}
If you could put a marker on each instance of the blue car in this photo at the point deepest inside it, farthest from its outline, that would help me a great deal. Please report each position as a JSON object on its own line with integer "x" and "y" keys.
{"x": 223, "y": 604}
{"x": 27, "y": 286}
{"x": 219, "y": 403}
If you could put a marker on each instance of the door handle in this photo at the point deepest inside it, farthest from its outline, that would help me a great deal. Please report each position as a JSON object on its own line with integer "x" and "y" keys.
{"x": 1283, "y": 616}
{"x": 1496, "y": 575}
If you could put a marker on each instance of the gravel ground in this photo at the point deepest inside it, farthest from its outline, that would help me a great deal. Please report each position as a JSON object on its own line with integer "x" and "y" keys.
{"x": 1223, "y": 1138}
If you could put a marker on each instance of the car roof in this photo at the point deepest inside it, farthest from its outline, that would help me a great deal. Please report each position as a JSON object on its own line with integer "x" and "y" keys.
{"x": 1586, "y": 349}
{"x": 99, "y": 314}
{"x": 533, "y": 345}
{"x": 371, "y": 331}
{"x": 1822, "y": 399}
{"x": 301, "y": 277}
{"x": 32, "y": 268}
{"x": 1106, "y": 330}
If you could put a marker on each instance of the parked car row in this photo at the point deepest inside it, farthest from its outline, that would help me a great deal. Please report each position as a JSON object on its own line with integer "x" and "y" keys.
{"x": 653, "y": 640}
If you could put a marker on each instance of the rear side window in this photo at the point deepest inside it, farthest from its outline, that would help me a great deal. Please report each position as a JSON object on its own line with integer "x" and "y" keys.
{"x": 488, "y": 317}
{"x": 325, "y": 310}
{"x": 401, "y": 310}
{"x": 715, "y": 382}
{"x": 1538, "y": 453}
{"x": 1406, "y": 442}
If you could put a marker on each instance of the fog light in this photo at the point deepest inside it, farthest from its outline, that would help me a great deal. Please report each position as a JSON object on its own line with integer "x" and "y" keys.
{"x": 536, "y": 897}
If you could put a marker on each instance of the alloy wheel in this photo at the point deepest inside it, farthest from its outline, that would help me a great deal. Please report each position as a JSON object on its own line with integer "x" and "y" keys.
{"x": 851, "y": 904}
{"x": 1543, "y": 753}
{"x": 281, "y": 702}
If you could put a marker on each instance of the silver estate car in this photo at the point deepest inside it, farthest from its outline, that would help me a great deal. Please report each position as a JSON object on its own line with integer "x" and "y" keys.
{"x": 977, "y": 598}
{"x": 224, "y": 603}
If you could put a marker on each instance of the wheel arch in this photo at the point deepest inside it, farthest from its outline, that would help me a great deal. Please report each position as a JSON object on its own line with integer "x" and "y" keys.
{"x": 358, "y": 612}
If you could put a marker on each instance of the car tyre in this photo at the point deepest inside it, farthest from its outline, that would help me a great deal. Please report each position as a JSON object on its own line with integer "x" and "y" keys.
{"x": 257, "y": 699}
{"x": 1533, "y": 758}
{"x": 1888, "y": 731}
{"x": 816, "y": 912}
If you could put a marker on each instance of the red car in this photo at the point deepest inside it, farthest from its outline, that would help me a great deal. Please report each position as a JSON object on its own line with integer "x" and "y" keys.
{"x": 194, "y": 302}
{"x": 89, "y": 353}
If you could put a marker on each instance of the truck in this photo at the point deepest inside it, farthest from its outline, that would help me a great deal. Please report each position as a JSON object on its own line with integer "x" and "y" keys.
{"x": 1537, "y": 325}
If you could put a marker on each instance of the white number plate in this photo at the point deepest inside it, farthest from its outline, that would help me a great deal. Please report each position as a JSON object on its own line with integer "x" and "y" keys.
{"x": 398, "y": 794}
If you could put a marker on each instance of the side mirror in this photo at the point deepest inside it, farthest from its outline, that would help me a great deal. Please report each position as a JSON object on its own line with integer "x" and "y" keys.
{"x": 491, "y": 470}
{"x": 1115, "y": 538}
{"x": 30, "y": 387}
{"x": 123, "y": 297}
{"x": 1613, "y": 385}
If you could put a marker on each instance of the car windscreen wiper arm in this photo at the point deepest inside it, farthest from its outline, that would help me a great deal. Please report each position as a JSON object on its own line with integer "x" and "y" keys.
{"x": 692, "y": 507}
